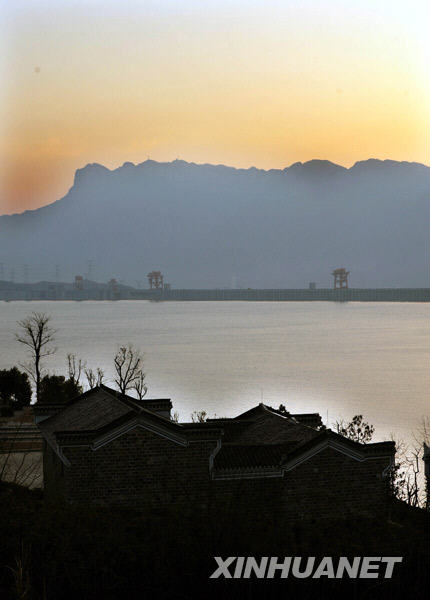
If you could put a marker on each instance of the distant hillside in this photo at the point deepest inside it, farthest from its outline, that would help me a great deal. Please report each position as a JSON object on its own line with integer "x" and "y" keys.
{"x": 216, "y": 226}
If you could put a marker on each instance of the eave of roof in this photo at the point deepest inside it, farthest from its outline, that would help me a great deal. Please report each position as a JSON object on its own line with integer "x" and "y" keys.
{"x": 233, "y": 456}
{"x": 330, "y": 439}
{"x": 235, "y": 461}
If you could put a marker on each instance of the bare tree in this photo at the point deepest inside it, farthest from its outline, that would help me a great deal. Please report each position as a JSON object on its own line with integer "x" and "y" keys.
{"x": 412, "y": 487}
{"x": 424, "y": 441}
{"x": 426, "y": 450}
{"x": 128, "y": 363}
{"x": 91, "y": 377}
{"x": 75, "y": 367}
{"x": 94, "y": 378}
{"x": 139, "y": 385}
{"x": 36, "y": 333}
{"x": 408, "y": 482}
{"x": 405, "y": 478}
{"x": 100, "y": 376}
{"x": 198, "y": 416}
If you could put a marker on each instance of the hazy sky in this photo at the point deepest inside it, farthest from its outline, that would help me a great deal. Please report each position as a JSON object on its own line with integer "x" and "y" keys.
{"x": 239, "y": 82}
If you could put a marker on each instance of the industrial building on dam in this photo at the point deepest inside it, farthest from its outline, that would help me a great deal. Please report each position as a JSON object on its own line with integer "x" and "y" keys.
{"x": 83, "y": 289}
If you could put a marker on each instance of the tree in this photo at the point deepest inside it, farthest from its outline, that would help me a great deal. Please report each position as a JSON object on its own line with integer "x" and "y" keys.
{"x": 56, "y": 389}
{"x": 405, "y": 474}
{"x": 128, "y": 363}
{"x": 198, "y": 416}
{"x": 139, "y": 385}
{"x": 74, "y": 367}
{"x": 37, "y": 335}
{"x": 356, "y": 430}
{"x": 415, "y": 490}
{"x": 94, "y": 378}
{"x": 15, "y": 388}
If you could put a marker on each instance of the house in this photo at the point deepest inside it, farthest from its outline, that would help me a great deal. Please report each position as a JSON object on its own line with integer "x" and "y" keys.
{"x": 108, "y": 448}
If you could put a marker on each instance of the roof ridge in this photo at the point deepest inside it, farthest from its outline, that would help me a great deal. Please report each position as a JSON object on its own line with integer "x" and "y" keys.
{"x": 129, "y": 400}
{"x": 124, "y": 398}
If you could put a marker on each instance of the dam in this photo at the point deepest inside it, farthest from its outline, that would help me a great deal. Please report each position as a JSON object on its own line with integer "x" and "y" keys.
{"x": 291, "y": 295}
{"x": 91, "y": 291}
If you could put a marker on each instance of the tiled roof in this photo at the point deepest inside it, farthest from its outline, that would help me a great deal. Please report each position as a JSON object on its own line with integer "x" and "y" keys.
{"x": 310, "y": 419}
{"x": 89, "y": 411}
{"x": 262, "y": 438}
{"x": 270, "y": 428}
{"x": 154, "y": 404}
{"x": 101, "y": 409}
{"x": 246, "y": 456}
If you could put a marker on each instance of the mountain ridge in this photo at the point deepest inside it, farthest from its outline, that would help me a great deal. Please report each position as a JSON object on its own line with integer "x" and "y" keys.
{"x": 210, "y": 225}
{"x": 81, "y": 173}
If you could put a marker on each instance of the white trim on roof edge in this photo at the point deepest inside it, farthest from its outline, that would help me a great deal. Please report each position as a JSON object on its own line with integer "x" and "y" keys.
{"x": 335, "y": 445}
{"x": 138, "y": 422}
{"x": 259, "y": 473}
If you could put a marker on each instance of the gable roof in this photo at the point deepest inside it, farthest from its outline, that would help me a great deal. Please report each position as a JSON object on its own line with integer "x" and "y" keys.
{"x": 329, "y": 439}
{"x": 266, "y": 426}
{"x": 242, "y": 461}
{"x": 261, "y": 442}
{"x": 101, "y": 414}
{"x": 311, "y": 419}
{"x": 93, "y": 409}
{"x": 97, "y": 409}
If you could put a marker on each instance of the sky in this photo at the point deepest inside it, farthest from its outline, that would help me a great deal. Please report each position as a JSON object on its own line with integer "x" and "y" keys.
{"x": 238, "y": 82}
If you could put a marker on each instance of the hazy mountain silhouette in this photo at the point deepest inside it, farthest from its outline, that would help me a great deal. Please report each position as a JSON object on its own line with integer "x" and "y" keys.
{"x": 206, "y": 225}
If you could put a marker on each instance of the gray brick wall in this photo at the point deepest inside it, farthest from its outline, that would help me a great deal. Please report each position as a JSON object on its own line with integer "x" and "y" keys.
{"x": 143, "y": 470}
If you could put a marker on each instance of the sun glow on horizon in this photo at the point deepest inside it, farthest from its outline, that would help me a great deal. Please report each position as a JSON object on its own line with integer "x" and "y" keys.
{"x": 237, "y": 83}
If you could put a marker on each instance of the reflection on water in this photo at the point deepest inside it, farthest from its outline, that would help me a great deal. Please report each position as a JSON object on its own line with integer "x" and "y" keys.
{"x": 336, "y": 358}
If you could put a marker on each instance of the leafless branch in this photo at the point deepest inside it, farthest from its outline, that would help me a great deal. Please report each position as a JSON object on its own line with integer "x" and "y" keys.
{"x": 94, "y": 378}
{"x": 91, "y": 377}
{"x": 100, "y": 376}
{"x": 198, "y": 416}
{"x": 406, "y": 475}
{"x": 75, "y": 367}
{"x": 36, "y": 334}
{"x": 139, "y": 385}
{"x": 128, "y": 364}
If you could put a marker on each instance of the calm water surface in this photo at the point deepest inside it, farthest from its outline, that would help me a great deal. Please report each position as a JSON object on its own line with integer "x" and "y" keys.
{"x": 223, "y": 357}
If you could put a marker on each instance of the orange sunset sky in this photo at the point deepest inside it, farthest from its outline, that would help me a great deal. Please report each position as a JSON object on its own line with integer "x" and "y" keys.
{"x": 240, "y": 82}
